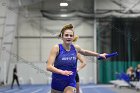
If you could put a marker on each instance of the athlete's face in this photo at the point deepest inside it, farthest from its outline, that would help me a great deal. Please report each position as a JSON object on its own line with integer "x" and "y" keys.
{"x": 68, "y": 36}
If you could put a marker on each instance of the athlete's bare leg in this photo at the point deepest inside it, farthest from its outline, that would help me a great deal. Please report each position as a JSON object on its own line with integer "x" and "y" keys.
{"x": 77, "y": 87}
{"x": 56, "y": 91}
{"x": 70, "y": 89}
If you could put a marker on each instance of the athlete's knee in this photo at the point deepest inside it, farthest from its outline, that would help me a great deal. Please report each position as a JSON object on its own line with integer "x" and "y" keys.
{"x": 56, "y": 91}
{"x": 70, "y": 89}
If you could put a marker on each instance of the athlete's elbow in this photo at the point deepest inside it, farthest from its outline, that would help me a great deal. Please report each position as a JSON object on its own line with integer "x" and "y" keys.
{"x": 48, "y": 68}
{"x": 84, "y": 64}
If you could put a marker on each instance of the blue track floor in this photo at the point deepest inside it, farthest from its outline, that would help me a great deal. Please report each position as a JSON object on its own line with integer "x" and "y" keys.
{"x": 46, "y": 89}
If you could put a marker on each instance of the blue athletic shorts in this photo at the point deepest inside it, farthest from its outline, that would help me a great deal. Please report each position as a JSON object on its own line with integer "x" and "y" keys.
{"x": 60, "y": 84}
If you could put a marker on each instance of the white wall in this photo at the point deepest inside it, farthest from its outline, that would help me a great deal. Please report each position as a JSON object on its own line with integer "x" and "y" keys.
{"x": 31, "y": 50}
{"x": 30, "y": 73}
{"x": 3, "y": 6}
{"x": 36, "y": 44}
{"x": 2, "y": 20}
{"x": 124, "y": 4}
{"x": 36, "y": 50}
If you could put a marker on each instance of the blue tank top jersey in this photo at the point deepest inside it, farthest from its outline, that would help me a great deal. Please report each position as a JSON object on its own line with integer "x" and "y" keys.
{"x": 65, "y": 60}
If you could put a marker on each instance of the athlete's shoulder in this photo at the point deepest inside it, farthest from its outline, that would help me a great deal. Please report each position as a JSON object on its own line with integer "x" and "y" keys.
{"x": 77, "y": 47}
{"x": 55, "y": 48}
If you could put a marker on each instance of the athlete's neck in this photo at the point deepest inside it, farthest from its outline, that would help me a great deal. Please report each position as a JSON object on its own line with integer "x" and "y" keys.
{"x": 66, "y": 46}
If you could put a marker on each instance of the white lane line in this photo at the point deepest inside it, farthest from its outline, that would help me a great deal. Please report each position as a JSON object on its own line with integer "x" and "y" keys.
{"x": 22, "y": 90}
{"x": 97, "y": 86}
{"x": 49, "y": 91}
{"x": 37, "y": 90}
{"x": 11, "y": 90}
{"x": 80, "y": 91}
